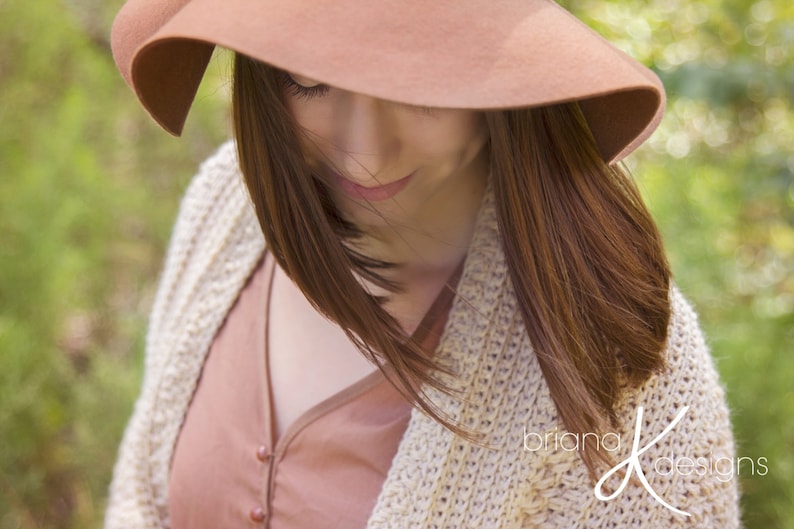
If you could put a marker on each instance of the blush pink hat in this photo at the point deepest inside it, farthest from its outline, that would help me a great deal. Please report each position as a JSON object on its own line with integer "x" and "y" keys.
{"x": 474, "y": 54}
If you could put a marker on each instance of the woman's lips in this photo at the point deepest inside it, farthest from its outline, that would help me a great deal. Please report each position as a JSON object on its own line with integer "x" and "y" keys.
{"x": 372, "y": 194}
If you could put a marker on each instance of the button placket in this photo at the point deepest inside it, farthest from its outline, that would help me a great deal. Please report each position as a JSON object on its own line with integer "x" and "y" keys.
{"x": 258, "y": 514}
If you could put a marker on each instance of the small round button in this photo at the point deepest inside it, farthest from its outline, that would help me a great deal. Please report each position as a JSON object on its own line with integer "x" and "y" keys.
{"x": 262, "y": 453}
{"x": 257, "y": 514}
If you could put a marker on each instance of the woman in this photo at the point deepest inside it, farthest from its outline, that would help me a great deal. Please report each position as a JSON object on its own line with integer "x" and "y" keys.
{"x": 460, "y": 313}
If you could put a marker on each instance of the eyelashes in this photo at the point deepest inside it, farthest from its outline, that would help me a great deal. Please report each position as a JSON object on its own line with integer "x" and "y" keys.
{"x": 298, "y": 90}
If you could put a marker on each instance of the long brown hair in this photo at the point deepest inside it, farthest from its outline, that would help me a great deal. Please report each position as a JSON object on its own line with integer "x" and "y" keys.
{"x": 585, "y": 257}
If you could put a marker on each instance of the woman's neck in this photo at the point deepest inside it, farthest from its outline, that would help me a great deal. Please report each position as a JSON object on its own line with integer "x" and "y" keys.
{"x": 439, "y": 236}
{"x": 428, "y": 251}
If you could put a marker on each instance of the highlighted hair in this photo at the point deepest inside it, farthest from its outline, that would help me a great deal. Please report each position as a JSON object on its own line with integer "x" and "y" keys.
{"x": 583, "y": 253}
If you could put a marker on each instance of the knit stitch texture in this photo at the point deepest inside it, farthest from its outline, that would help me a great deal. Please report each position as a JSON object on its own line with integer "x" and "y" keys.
{"x": 437, "y": 480}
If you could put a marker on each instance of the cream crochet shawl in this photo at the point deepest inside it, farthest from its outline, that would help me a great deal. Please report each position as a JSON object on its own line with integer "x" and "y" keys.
{"x": 437, "y": 480}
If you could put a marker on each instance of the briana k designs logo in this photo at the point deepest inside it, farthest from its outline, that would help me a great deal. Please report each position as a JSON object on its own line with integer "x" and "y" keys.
{"x": 632, "y": 463}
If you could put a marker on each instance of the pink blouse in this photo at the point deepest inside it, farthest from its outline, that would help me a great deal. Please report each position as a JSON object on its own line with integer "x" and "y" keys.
{"x": 327, "y": 469}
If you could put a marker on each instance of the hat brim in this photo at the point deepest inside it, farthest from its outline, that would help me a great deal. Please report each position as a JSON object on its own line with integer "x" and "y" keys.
{"x": 472, "y": 54}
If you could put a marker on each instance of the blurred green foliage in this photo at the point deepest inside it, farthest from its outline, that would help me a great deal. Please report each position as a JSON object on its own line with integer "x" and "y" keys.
{"x": 88, "y": 193}
{"x": 90, "y": 186}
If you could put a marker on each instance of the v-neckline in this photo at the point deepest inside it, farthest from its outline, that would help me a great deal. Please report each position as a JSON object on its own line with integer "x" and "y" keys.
{"x": 278, "y": 444}
{"x": 337, "y": 399}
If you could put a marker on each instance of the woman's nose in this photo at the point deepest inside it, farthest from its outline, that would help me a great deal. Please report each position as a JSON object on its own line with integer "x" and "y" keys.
{"x": 366, "y": 137}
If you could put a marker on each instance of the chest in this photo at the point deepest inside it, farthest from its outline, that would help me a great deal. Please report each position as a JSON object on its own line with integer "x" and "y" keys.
{"x": 309, "y": 358}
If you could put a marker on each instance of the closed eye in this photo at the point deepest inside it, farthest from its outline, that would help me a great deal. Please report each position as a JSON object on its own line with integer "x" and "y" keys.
{"x": 302, "y": 91}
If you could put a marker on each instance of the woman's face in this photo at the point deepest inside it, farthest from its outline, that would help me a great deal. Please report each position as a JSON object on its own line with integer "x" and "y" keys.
{"x": 385, "y": 162}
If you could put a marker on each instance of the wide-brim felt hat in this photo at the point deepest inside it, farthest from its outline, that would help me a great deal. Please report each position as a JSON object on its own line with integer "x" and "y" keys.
{"x": 467, "y": 54}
